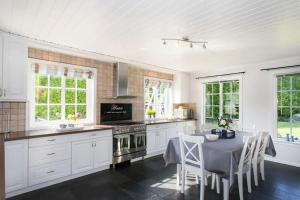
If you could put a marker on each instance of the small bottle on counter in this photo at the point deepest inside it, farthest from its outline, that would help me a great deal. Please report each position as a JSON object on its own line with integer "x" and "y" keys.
{"x": 287, "y": 137}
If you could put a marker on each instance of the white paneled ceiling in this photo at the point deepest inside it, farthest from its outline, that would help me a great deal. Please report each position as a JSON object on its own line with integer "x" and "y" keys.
{"x": 237, "y": 31}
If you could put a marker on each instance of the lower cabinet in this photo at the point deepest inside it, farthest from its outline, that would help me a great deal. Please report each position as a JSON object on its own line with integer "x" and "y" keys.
{"x": 158, "y": 135}
{"x": 91, "y": 154}
{"x": 16, "y": 165}
{"x": 38, "y": 162}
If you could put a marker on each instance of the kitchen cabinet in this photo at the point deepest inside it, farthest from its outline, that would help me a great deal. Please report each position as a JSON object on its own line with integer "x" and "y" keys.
{"x": 16, "y": 165}
{"x": 158, "y": 135}
{"x": 82, "y": 156}
{"x": 43, "y": 161}
{"x": 91, "y": 154}
{"x": 14, "y": 68}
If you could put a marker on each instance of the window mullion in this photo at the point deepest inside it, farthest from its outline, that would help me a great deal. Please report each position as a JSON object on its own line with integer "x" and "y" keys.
{"x": 48, "y": 98}
{"x": 63, "y": 99}
{"x": 221, "y": 94}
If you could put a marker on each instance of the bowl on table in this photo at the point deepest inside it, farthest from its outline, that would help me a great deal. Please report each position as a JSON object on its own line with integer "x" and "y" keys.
{"x": 212, "y": 137}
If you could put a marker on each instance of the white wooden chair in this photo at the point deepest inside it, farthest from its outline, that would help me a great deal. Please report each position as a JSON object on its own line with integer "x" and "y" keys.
{"x": 259, "y": 156}
{"x": 192, "y": 160}
{"x": 245, "y": 164}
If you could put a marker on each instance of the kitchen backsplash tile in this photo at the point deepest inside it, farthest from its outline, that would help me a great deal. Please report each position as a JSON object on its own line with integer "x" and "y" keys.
{"x": 12, "y": 116}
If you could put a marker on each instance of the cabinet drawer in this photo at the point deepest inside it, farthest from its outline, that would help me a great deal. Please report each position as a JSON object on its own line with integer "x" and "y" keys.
{"x": 43, "y": 141}
{"x": 48, "y": 172}
{"x": 91, "y": 135}
{"x": 47, "y": 154}
{"x": 157, "y": 126}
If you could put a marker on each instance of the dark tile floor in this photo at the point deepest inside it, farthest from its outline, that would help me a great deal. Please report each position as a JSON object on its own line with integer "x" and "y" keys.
{"x": 150, "y": 179}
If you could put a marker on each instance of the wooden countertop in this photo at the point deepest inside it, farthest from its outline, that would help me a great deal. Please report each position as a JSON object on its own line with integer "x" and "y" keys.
{"x": 167, "y": 121}
{"x": 19, "y": 135}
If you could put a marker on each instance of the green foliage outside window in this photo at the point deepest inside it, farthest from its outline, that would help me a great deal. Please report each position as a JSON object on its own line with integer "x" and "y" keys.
{"x": 221, "y": 100}
{"x": 48, "y": 97}
{"x": 288, "y": 105}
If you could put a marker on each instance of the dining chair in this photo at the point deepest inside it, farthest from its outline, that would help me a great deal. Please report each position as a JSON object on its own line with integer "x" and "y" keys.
{"x": 259, "y": 156}
{"x": 244, "y": 166}
{"x": 192, "y": 160}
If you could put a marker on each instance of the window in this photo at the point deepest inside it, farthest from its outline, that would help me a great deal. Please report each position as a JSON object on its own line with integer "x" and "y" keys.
{"x": 288, "y": 105}
{"x": 222, "y": 100}
{"x": 158, "y": 97}
{"x": 56, "y": 95}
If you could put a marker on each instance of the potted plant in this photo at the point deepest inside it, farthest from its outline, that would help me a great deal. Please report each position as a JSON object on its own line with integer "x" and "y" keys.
{"x": 151, "y": 113}
{"x": 225, "y": 124}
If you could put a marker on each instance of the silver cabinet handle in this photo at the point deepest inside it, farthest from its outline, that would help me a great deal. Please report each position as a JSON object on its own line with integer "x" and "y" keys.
{"x": 94, "y": 134}
{"x": 0, "y": 92}
{"x": 51, "y": 140}
{"x": 49, "y": 172}
{"x": 5, "y": 92}
{"x": 50, "y": 154}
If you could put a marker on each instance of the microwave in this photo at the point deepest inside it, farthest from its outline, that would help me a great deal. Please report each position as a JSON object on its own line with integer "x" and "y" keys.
{"x": 183, "y": 113}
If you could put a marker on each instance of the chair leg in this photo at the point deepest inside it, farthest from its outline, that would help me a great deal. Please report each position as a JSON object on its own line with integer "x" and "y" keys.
{"x": 218, "y": 183}
{"x": 205, "y": 181}
{"x": 240, "y": 183}
{"x": 178, "y": 176}
{"x": 262, "y": 169}
{"x": 249, "y": 181}
{"x": 255, "y": 174}
{"x": 202, "y": 187}
{"x": 183, "y": 177}
{"x": 213, "y": 180}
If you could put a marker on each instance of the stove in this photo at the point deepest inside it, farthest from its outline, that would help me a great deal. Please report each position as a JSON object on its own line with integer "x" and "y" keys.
{"x": 129, "y": 137}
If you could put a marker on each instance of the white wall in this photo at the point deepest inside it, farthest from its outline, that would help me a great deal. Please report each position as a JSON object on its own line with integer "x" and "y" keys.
{"x": 258, "y": 102}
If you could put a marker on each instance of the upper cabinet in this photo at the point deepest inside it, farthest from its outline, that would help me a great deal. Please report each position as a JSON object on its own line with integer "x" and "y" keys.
{"x": 13, "y": 68}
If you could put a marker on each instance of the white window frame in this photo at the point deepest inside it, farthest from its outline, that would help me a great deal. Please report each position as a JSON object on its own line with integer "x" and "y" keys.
{"x": 203, "y": 83}
{"x": 274, "y": 75}
{"x": 90, "y": 101}
{"x": 169, "y": 114}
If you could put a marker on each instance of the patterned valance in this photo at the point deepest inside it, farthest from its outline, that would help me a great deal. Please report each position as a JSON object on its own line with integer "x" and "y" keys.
{"x": 52, "y": 69}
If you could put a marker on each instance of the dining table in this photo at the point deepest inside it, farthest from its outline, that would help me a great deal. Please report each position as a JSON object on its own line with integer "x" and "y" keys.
{"x": 221, "y": 156}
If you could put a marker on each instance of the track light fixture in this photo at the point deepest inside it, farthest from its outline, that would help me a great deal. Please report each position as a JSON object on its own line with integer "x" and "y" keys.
{"x": 185, "y": 39}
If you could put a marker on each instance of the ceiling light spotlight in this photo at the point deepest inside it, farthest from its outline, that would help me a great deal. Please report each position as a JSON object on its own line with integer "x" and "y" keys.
{"x": 204, "y": 46}
{"x": 191, "y": 45}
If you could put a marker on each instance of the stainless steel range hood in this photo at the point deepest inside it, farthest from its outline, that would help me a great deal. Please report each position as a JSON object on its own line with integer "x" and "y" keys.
{"x": 120, "y": 81}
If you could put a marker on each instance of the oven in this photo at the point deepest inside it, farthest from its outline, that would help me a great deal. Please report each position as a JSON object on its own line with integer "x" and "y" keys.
{"x": 129, "y": 137}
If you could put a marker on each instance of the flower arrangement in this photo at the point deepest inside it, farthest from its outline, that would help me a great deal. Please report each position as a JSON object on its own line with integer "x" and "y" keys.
{"x": 224, "y": 123}
{"x": 73, "y": 118}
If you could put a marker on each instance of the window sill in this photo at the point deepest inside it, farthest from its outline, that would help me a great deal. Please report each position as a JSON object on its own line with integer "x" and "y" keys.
{"x": 283, "y": 141}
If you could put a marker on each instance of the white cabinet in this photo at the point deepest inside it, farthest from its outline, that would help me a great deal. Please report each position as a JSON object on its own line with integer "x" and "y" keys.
{"x": 82, "y": 156}
{"x": 158, "y": 135}
{"x": 14, "y": 68}
{"x": 102, "y": 152}
{"x": 94, "y": 152}
{"x": 16, "y": 165}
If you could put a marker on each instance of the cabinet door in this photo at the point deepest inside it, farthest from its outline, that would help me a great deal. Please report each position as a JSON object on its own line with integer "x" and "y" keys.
{"x": 151, "y": 141}
{"x": 102, "y": 152}
{"x": 82, "y": 156}
{"x": 16, "y": 165}
{"x": 1, "y": 62}
{"x": 161, "y": 139}
{"x": 15, "y": 68}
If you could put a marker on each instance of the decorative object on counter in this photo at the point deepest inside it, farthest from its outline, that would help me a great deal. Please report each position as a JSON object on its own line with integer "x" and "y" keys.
{"x": 72, "y": 119}
{"x": 62, "y": 126}
{"x": 151, "y": 113}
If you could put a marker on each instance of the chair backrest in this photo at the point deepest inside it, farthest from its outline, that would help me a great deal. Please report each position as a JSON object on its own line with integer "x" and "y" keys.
{"x": 262, "y": 142}
{"x": 247, "y": 153}
{"x": 191, "y": 151}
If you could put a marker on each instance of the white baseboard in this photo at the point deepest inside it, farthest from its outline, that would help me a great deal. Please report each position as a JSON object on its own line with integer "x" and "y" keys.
{"x": 49, "y": 183}
{"x": 295, "y": 164}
